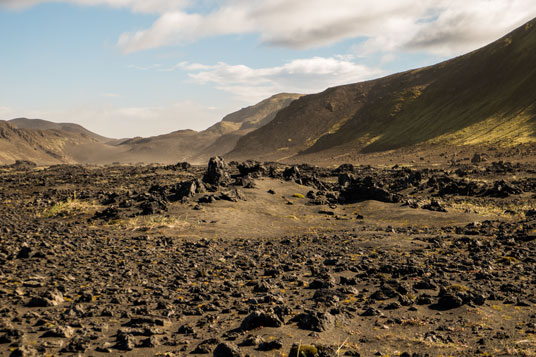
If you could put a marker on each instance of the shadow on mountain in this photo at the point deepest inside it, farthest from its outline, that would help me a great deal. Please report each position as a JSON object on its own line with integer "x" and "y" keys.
{"x": 486, "y": 96}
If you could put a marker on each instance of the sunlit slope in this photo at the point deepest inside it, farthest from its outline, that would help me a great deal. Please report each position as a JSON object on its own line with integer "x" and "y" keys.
{"x": 486, "y": 96}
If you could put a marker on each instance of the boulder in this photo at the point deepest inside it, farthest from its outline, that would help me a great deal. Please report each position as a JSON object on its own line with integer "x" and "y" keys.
{"x": 261, "y": 319}
{"x": 217, "y": 173}
{"x": 315, "y": 321}
{"x": 227, "y": 349}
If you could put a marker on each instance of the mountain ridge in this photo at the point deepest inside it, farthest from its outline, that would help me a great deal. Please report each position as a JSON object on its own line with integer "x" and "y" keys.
{"x": 485, "y": 96}
{"x": 44, "y": 146}
{"x": 40, "y": 124}
{"x": 27, "y": 139}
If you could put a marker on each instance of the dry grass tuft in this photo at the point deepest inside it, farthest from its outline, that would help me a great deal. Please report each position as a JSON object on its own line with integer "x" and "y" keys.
{"x": 148, "y": 223}
{"x": 492, "y": 207}
{"x": 70, "y": 207}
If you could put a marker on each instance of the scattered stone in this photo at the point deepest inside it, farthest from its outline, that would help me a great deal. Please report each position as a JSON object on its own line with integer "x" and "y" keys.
{"x": 477, "y": 158}
{"x": 261, "y": 319}
{"x": 291, "y": 173}
{"x": 59, "y": 332}
{"x": 251, "y": 169}
{"x": 372, "y": 312}
{"x": 78, "y": 277}
{"x": 108, "y": 213}
{"x": 78, "y": 344}
{"x": 356, "y": 190}
{"x": 393, "y": 306}
{"x": 150, "y": 342}
{"x": 227, "y": 349}
{"x": 24, "y": 252}
{"x": 24, "y": 351}
{"x": 315, "y": 321}
{"x": 125, "y": 341}
{"x": 270, "y": 346}
{"x": 185, "y": 190}
{"x": 449, "y": 301}
{"x": 503, "y": 189}
{"x": 435, "y": 206}
{"x": 50, "y": 298}
{"x": 206, "y": 346}
{"x": 252, "y": 340}
{"x": 233, "y": 195}
{"x": 153, "y": 206}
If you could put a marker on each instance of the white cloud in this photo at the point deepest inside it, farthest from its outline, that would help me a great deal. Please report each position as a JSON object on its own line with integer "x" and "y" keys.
{"x": 445, "y": 27}
{"x": 453, "y": 27}
{"x": 182, "y": 27}
{"x": 466, "y": 25}
{"x": 301, "y": 75}
{"x": 143, "y": 6}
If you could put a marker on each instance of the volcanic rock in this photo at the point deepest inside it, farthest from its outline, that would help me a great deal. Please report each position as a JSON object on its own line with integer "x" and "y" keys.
{"x": 227, "y": 349}
{"x": 217, "y": 173}
{"x": 261, "y": 319}
{"x": 315, "y": 321}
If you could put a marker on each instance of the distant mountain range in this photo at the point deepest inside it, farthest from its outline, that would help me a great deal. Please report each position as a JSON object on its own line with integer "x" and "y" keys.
{"x": 24, "y": 123}
{"x": 46, "y": 142}
{"x": 48, "y": 146}
{"x": 485, "y": 97}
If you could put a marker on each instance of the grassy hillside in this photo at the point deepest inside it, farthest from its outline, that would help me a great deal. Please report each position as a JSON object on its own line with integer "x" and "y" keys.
{"x": 487, "y": 96}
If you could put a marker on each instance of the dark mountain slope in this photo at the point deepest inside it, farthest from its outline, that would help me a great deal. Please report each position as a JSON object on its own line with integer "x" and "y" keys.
{"x": 486, "y": 96}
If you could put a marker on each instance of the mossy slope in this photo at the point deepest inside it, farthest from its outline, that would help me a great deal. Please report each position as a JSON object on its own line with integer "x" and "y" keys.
{"x": 486, "y": 96}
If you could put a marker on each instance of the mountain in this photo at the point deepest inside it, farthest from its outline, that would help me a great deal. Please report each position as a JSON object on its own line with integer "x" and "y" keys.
{"x": 46, "y": 142}
{"x": 42, "y": 146}
{"x": 24, "y": 123}
{"x": 198, "y": 147}
{"x": 487, "y": 96}
{"x": 260, "y": 114}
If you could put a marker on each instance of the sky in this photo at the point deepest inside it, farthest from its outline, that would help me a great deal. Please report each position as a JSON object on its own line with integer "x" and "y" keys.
{"x": 126, "y": 68}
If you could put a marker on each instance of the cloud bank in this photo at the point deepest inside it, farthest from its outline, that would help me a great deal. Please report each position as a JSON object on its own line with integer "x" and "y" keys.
{"x": 306, "y": 75}
{"x": 141, "y": 6}
{"x": 445, "y": 27}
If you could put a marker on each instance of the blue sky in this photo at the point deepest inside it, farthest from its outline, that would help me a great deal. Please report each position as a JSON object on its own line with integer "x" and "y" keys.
{"x": 128, "y": 68}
